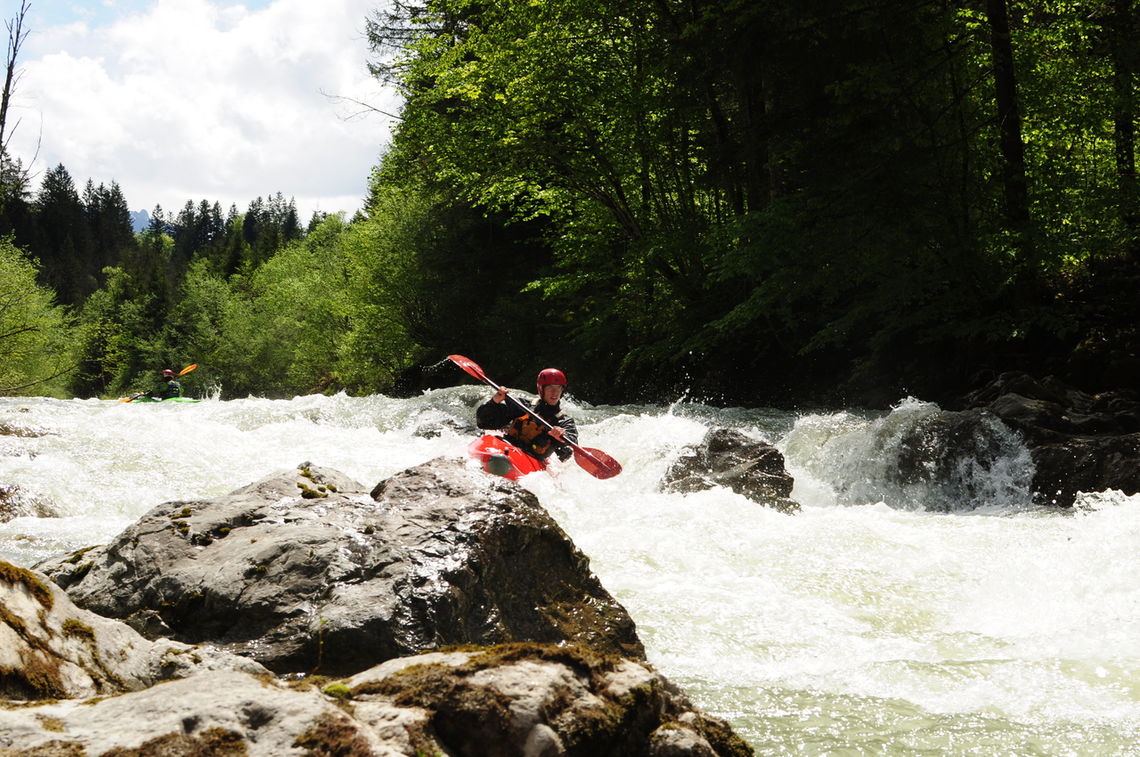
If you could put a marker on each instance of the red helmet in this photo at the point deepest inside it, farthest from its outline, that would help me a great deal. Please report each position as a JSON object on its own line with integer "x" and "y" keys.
{"x": 549, "y": 376}
{"x": 168, "y": 373}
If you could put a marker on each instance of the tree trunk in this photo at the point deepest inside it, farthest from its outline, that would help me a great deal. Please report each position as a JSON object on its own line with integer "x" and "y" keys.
{"x": 1009, "y": 120}
{"x": 16, "y": 36}
{"x": 1122, "y": 46}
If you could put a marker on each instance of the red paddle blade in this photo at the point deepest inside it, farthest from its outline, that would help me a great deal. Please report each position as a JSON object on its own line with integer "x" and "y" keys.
{"x": 187, "y": 369}
{"x": 470, "y": 366}
{"x": 597, "y": 463}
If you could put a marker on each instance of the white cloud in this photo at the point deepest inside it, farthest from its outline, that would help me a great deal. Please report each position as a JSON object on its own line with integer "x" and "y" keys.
{"x": 198, "y": 99}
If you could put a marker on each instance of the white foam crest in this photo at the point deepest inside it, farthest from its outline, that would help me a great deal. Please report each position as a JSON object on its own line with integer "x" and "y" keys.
{"x": 916, "y": 457}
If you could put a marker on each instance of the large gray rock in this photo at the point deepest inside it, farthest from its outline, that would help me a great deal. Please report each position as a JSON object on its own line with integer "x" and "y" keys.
{"x": 307, "y": 571}
{"x": 728, "y": 458}
{"x": 527, "y": 700}
{"x": 49, "y": 648}
{"x": 1078, "y": 442}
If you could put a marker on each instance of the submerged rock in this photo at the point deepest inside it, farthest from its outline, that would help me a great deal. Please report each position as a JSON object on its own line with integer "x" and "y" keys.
{"x": 956, "y": 461}
{"x": 51, "y": 649}
{"x": 16, "y": 428}
{"x": 728, "y": 458}
{"x": 1078, "y": 442}
{"x": 306, "y": 571}
{"x": 527, "y": 699}
{"x": 15, "y": 502}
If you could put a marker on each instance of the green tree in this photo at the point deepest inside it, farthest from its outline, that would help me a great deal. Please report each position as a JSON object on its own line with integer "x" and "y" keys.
{"x": 63, "y": 242}
{"x": 711, "y": 174}
{"x": 109, "y": 224}
{"x": 36, "y": 349}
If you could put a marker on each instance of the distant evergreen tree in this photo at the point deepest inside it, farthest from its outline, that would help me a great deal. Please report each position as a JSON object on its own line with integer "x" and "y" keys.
{"x": 315, "y": 221}
{"x": 185, "y": 233}
{"x": 214, "y": 228}
{"x": 158, "y": 224}
{"x": 291, "y": 223}
{"x": 62, "y": 240}
{"x": 253, "y": 222}
{"x": 110, "y": 226}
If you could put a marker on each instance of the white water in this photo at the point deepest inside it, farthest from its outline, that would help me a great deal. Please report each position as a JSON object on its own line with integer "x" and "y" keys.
{"x": 855, "y": 627}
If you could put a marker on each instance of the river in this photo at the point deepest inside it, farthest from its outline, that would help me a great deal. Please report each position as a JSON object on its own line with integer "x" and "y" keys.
{"x": 884, "y": 618}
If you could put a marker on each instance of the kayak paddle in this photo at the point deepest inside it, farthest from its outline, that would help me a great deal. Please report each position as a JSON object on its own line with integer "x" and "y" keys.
{"x": 595, "y": 462}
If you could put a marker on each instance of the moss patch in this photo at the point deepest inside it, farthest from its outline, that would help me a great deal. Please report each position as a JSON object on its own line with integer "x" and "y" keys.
{"x": 37, "y": 677}
{"x": 78, "y": 554}
{"x": 722, "y": 738}
{"x": 48, "y": 723}
{"x": 338, "y": 690}
{"x": 17, "y": 576}
{"x": 74, "y": 627}
{"x": 331, "y": 735}
{"x": 212, "y": 742}
{"x": 308, "y": 492}
{"x": 55, "y": 749}
{"x": 463, "y": 713}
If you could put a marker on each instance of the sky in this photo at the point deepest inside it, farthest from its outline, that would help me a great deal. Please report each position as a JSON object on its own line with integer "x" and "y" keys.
{"x": 215, "y": 100}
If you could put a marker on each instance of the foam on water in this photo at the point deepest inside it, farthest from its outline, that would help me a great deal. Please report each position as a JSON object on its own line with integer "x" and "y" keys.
{"x": 886, "y": 617}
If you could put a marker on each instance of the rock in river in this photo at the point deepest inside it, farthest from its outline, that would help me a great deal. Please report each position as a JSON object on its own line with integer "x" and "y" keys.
{"x": 307, "y": 571}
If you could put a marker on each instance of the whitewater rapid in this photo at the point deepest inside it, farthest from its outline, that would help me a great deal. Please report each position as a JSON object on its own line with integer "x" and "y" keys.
{"x": 905, "y": 618}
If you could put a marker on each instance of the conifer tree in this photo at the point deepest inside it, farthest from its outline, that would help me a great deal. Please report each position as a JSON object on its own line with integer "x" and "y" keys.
{"x": 62, "y": 238}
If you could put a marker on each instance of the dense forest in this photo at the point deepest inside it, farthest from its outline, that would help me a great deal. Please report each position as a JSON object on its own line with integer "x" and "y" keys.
{"x": 751, "y": 202}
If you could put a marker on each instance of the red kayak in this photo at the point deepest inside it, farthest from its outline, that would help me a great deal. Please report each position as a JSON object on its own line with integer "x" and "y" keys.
{"x": 500, "y": 457}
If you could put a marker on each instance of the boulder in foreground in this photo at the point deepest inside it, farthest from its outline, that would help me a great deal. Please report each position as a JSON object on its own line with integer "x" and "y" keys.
{"x": 51, "y": 649}
{"x": 306, "y": 571}
{"x": 523, "y": 699}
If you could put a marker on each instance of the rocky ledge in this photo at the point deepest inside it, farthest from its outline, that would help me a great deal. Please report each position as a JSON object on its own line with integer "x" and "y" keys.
{"x": 442, "y": 612}
{"x": 1078, "y": 442}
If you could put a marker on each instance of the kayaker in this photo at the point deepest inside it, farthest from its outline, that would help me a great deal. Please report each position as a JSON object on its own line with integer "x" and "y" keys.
{"x": 522, "y": 430}
{"x": 168, "y": 387}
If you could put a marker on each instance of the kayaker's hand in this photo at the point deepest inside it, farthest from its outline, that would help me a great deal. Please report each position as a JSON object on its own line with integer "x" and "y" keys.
{"x": 556, "y": 433}
{"x": 499, "y": 396}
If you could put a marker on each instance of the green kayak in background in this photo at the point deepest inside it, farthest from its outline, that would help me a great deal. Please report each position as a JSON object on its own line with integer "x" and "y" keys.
{"x": 154, "y": 399}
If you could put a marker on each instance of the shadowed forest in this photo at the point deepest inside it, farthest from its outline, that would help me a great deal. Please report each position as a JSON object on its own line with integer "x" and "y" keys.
{"x": 751, "y": 202}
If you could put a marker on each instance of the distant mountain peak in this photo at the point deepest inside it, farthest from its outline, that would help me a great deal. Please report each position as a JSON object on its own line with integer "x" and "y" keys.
{"x": 140, "y": 219}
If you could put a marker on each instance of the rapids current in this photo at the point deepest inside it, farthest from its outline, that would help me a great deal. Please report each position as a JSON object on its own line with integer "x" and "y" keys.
{"x": 926, "y": 612}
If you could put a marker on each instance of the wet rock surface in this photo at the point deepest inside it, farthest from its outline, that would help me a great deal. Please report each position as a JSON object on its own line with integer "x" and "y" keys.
{"x": 726, "y": 457}
{"x": 51, "y": 649}
{"x": 1079, "y": 442}
{"x": 305, "y": 571}
{"x": 16, "y": 502}
{"x": 541, "y": 700}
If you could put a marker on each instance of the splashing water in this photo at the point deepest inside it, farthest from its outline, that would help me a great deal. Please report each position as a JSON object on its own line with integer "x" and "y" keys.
{"x": 915, "y": 605}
